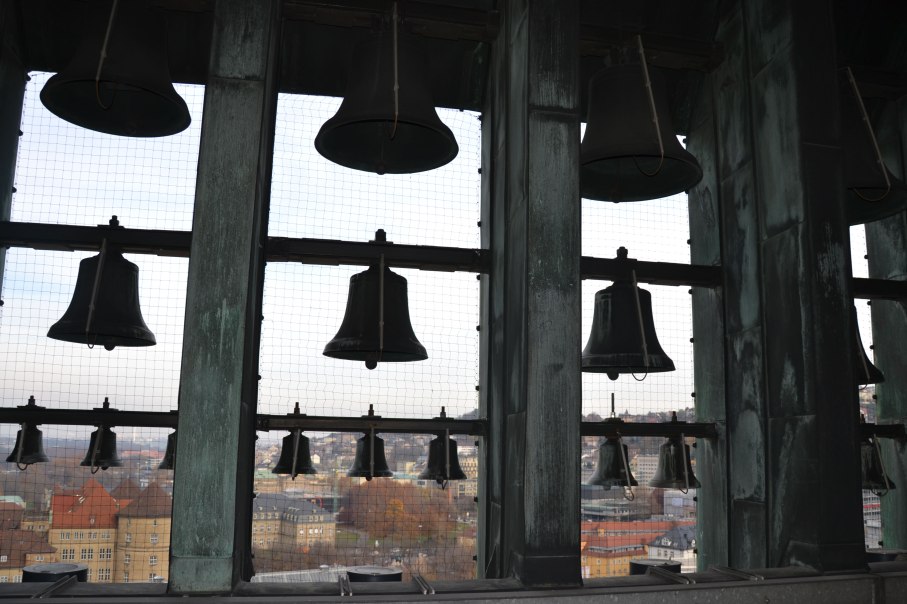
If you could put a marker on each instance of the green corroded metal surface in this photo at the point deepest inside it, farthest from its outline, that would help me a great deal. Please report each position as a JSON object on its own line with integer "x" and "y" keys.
{"x": 12, "y": 83}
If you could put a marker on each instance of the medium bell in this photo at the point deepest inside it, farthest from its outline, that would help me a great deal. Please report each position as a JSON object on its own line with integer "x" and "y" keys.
{"x": 875, "y": 478}
{"x": 294, "y": 456}
{"x": 102, "y": 450}
{"x": 128, "y": 92}
{"x": 864, "y": 370}
{"x": 613, "y": 469}
{"x": 374, "y": 330}
{"x": 169, "y": 454}
{"x": 387, "y": 123}
{"x": 623, "y": 339}
{"x": 370, "y": 461}
{"x": 105, "y": 305}
{"x": 873, "y": 192}
{"x": 621, "y": 158}
{"x": 674, "y": 470}
{"x": 29, "y": 447}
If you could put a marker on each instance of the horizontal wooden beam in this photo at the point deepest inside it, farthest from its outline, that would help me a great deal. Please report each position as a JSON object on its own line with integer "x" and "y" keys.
{"x": 656, "y": 273}
{"x": 662, "y": 50}
{"x": 879, "y": 289}
{"x": 665, "y": 429}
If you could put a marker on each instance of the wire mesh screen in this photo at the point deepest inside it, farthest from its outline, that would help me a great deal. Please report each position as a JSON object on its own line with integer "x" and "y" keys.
{"x": 619, "y": 525}
{"x": 114, "y": 521}
{"x": 319, "y": 525}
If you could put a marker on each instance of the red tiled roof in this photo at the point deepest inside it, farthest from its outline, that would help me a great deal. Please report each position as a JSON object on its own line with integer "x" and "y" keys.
{"x": 10, "y": 515}
{"x": 153, "y": 502}
{"x": 128, "y": 489}
{"x": 91, "y": 507}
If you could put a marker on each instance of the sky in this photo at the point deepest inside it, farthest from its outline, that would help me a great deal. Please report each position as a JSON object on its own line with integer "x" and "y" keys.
{"x": 69, "y": 175}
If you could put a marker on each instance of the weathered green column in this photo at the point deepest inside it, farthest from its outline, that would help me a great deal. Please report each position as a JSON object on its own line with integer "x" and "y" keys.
{"x": 212, "y": 485}
{"x": 793, "y": 478}
{"x": 12, "y": 85}
{"x": 886, "y": 243}
{"x": 532, "y": 392}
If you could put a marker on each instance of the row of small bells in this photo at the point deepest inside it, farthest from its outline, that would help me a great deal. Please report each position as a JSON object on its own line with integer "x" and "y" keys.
{"x": 370, "y": 462}
{"x": 118, "y": 82}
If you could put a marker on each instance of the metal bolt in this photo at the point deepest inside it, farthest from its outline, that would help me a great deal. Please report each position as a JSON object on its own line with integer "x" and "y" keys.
{"x": 693, "y": 394}
{"x": 480, "y": 170}
{"x": 478, "y": 328}
{"x": 691, "y": 340}
{"x": 477, "y": 387}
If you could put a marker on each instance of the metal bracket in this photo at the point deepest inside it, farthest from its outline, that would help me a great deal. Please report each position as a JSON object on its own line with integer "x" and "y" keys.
{"x": 666, "y": 574}
{"x": 55, "y": 586}
{"x": 424, "y": 585}
{"x": 736, "y": 573}
{"x": 345, "y": 588}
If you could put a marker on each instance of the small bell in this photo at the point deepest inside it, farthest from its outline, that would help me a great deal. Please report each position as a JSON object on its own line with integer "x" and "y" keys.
{"x": 118, "y": 81}
{"x": 376, "y": 327}
{"x": 613, "y": 469}
{"x": 169, "y": 454}
{"x": 370, "y": 461}
{"x": 102, "y": 448}
{"x": 29, "y": 447}
{"x": 875, "y": 478}
{"x": 294, "y": 454}
{"x": 623, "y": 339}
{"x": 443, "y": 463}
{"x": 629, "y": 151}
{"x": 105, "y": 304}
{"x": 675, "y": 468}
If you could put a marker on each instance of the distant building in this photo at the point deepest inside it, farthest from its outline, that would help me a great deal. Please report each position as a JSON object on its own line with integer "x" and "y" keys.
{"x": 599, "y": 561}
{"x": 83, "y": 528}
{"x": 678, "y": 544}
{"x": 20, "y": 548}
{"x": 143, "y": 537}
{"x": 289, "y": 523}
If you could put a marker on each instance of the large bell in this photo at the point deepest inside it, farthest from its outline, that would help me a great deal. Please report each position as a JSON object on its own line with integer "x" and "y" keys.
{"x": 133, "y": 95}
{"x": 105, "y": 305}
{"x": 29, "y": 447}
{"x": 620, "y": 158}
{"x": 875, "y": 478}
{"x": 368, "y": 133}
{"x": 442, "y": 465}
{"x": 623, "y": 339}
{"x": 868, "y": 196}
{"x": 363, "y": 336}
{"x": 613, "y": 469}
{"x": 674, "y": 470}
{"x": 169, "y": 460}
{"x": 370, "y": 447}
{"x": 102, "y": 450}
{"x": 294, "y": 457}
{"x": 864, "y": 371}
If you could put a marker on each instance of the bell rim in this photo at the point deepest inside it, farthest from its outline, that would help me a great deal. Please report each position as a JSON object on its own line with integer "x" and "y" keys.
{"x": 57, "y": 89}
{"x": 688, "y": 170}
{"x": 367, "y": 474}
{"x": 100, "y": 339}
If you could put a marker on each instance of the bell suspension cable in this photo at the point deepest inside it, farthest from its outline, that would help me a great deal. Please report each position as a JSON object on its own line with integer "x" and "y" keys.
{"x": 103, "y": 56}
{"x": 648, "y": 85}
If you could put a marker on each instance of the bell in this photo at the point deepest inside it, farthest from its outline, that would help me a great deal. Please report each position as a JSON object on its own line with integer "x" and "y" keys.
{"x": 294, "y": 456}
{"x": 364, "y": 334}
{"x": 875, "y": 478}
{"x": 29, "y": 447}
{"x": 869, "y": 197}
{"x": 102, "y": 450}
{"x": 105, "y": 305}
{"x": 620, "y": 156}
{"x": 169, "y": 454}
{"x": 362, "y": 465}
{"x": 613, "y": 469}
{"x": 864, "y": 370}
{"x": 623, "y": 339}
{"x": 674, "y": 470}
{"x": 379, "y": 130}
{"x": 442, "y": 465}
{"x": 118, "y": 81}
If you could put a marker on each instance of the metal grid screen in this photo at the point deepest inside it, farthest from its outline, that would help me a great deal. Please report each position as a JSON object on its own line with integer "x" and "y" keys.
{"x": 115, "y": 522}
{"x": 317, "y": 526}
{"x": 655, "y": 523}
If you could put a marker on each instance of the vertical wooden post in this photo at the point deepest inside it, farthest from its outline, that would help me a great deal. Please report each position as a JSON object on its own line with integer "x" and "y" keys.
{"x": 12, "y": 83}
{"x": 793, "y": 474}
{"x": 533, "y": 391}
{"x": 219, "y": 367}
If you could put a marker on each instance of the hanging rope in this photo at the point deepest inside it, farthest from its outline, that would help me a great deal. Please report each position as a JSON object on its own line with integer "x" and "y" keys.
{"x": 103, "y": 57}
{"x": 872, "y": 137}
{"x": 648, "y": 84}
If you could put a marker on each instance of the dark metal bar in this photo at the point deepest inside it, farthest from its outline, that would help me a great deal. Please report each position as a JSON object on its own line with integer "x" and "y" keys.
{"x": 86, "y": 417}
{"x": 662, "y": 50}
{"x": 898, "y": 431}
{"x": 425, "y": 257}
{"x": 364, "y": 424}
{"x": 71, "y": 238}
{"x": 879, "y": 289}
{"x": 656, "y": 273}
{"x": 667, "y": 429}
{"x": 423, "y": 18}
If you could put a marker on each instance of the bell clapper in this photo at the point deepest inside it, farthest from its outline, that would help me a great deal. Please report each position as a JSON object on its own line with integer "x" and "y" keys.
{"x": 642, "y": 329}
{"x": 648, "y": 84}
